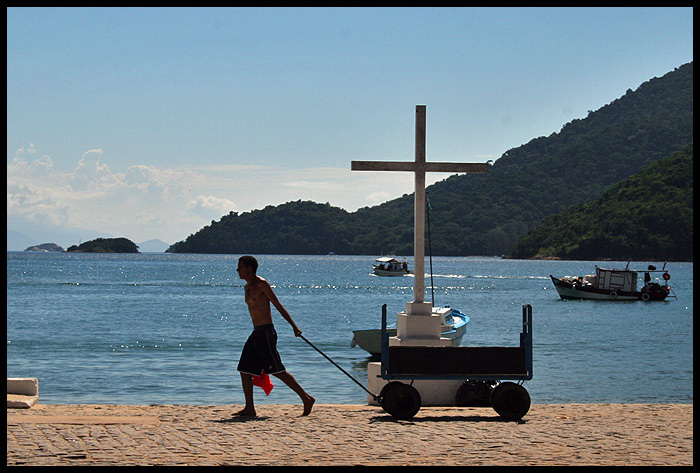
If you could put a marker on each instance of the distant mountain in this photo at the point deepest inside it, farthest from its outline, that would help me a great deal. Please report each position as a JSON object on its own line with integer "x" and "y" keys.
{"x": 482, "y": 214}
{"x": 648, "y": 216}
{"x": 153, "y": 246}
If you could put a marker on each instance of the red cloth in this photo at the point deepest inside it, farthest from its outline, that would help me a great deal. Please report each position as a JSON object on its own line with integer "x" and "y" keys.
{"x": 264, "y": 382}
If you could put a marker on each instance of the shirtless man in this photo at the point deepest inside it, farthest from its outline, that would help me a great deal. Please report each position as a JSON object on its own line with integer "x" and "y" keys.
{"x": 260, "y": 351}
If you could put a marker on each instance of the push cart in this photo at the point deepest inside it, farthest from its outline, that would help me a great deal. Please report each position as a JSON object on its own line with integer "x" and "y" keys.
{"x": 484, "y": 369}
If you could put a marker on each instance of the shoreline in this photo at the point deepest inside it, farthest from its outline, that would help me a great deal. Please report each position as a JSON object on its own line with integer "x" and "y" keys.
{"x": 349, "y": 434}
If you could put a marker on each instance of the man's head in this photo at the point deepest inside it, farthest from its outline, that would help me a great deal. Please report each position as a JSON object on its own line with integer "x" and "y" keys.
{"x": 249, "y": 262}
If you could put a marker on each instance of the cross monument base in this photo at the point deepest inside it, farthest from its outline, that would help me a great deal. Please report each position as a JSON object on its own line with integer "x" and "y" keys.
{"x": 433, "y": 392}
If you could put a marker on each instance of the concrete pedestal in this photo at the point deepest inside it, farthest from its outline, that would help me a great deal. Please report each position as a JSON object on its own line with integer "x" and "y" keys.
{"x": 433, "y": 392}
{"x": 419, "y": 327}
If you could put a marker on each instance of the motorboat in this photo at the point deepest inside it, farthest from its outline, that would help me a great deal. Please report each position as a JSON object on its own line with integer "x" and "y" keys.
{"x": 453, "y": 326}
{"x": 388, "y": 266}
{"x": 614, "y": 285}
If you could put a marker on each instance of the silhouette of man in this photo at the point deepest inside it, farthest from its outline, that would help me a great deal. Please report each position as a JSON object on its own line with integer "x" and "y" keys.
{"x": 260, "y": 354}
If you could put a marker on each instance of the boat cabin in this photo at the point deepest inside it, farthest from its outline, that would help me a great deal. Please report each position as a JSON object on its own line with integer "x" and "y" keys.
{"x": 391, "y": 264}
{"x": 388, "y": 266}
{"x": 614, "y": 279}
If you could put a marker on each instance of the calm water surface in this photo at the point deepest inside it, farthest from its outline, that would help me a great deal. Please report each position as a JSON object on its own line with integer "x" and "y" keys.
{"x": 168, "y": 328}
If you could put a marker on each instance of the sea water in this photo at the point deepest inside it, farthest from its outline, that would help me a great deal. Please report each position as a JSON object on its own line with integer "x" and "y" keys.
{"x": 169, "y": 328}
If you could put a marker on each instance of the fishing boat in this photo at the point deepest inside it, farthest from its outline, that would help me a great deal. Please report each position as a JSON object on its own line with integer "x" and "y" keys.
{"x": 388, "y": 266}
{"x": 454, "y": 326}
{"x": 614, "y": 285}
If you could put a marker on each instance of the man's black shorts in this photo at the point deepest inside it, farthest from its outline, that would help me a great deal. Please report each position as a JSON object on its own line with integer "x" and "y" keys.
{"x": 260, "y": 352}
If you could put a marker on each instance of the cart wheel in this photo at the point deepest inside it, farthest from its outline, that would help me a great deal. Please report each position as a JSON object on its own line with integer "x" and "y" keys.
{"x": 475, "y": 393}
{"x": 400, "y": 400}
{"x": 385, "y": 390}
{"x": 511, "y": 401}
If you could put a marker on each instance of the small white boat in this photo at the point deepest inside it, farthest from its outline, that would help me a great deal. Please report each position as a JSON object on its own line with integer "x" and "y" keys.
{"x": 614, "y": 285}
{"x": 388, "y": 266}
{"x": 454, "y": 326}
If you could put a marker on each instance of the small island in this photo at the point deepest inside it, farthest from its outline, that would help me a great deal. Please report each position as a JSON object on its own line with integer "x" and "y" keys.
{"x": 46, "y": 247}
{"x": 105, "y": 245}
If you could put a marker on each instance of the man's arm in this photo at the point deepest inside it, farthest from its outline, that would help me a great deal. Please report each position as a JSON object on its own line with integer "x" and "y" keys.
{"x": 267, "y": 290}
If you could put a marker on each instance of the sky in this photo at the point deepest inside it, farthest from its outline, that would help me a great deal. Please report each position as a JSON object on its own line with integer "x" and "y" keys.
{"x": 149, "y": 123}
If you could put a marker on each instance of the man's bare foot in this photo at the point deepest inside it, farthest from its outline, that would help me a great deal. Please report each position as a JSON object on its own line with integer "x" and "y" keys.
{"x": 308, "y": 405}
{"x": 245, "y": 412}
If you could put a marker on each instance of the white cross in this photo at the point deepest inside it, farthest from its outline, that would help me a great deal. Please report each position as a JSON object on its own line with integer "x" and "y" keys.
{"x": 419, "y": 167}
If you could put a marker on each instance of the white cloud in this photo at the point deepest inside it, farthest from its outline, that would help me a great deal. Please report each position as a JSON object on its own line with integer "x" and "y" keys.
{"x": 210, "y": 207}
{"x": 141, "y": 203}
{"x": 35, "y": 203}
{"x": 90, "y": 172}
{"x": 145, "y": 202}
{"x": 41, "y": 166}
{"x": 138, "y": 175}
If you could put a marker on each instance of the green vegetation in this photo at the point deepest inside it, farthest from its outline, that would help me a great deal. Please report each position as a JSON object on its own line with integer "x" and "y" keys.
{"x": 297, "y": 227}
{"x": 484, "y": 214}
{"x": 106, "y": 245}
{"x": 644, "y": 217}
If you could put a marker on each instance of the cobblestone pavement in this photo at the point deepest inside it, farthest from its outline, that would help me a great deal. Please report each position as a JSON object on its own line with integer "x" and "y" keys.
{"x": 565, "y": 434}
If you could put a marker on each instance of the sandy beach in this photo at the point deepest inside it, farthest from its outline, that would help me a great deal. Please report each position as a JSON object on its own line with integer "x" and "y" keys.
{"x": 560, "y": 434}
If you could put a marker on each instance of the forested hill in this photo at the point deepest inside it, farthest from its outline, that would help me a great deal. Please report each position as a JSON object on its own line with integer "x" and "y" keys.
{"x": 641, "y": 218}
{"x": 105, "y": 245}
{"x": 482, "y": 214}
